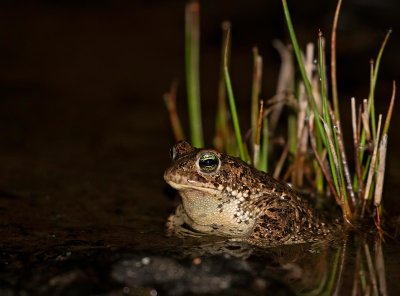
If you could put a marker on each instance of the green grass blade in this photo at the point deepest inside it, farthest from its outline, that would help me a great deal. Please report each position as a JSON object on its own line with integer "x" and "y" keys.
{"x": 232, "y": 105}
{"x": 222, "y": 126}
{"x": 297, "y": 53}
{"x": 371, "y": 97}
{"x": 333, "y": 62}
{"x": 192, "y": 54}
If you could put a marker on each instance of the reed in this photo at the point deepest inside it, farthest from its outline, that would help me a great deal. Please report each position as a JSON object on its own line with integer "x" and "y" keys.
{"x": 192, "y": 62}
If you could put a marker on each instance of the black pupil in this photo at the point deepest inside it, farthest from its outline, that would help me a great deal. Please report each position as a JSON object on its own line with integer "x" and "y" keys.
{"x": 208, "y": 162}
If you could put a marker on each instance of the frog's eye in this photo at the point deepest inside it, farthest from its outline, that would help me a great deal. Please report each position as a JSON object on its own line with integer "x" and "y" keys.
{"x": 209, "y": 162}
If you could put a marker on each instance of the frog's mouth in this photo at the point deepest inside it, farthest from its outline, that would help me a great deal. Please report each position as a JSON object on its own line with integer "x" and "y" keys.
{"x": 192, "y": 187}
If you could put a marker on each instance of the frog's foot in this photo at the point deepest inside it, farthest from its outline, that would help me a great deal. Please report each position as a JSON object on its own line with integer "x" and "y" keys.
{"x": 177, "y": 225}
{"x": 180, "y": 230}
{"x": 185, "y": 230}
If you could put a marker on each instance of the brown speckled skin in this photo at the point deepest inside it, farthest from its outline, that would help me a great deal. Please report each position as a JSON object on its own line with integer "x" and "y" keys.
{"x": 237, "y": 201}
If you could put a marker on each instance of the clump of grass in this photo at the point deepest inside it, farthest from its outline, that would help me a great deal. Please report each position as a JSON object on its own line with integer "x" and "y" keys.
{"x": 313, "y": 121}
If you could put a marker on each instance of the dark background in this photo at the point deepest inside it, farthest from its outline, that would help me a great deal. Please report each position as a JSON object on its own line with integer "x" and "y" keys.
{"x": 84, "y": 136}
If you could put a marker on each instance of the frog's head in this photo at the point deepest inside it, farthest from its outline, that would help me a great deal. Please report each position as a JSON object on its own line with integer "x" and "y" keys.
{"x": 207, "y": 174}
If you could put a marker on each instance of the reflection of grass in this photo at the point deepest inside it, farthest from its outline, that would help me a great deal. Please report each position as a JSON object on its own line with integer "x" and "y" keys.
{"x": 368, "y": 269}
{"x": 313, "y": 121}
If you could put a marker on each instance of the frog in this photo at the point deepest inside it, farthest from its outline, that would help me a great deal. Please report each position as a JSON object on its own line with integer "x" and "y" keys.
{"x": 224, "y": 196}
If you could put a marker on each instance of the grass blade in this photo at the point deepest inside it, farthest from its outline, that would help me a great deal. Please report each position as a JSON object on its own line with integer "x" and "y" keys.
{"x": 345, "y": 166}
{"x": 279, "y": 165}
{"x": 380, "y": 173}
{"x": 356, "y": 141}
{"x": 333, "y": 62}
{"x": 390, "y": 111}
{"x": 256, "y": 145}
{"x": 192, "y": 54}
{"x": 285, "y": 83}
{"x": 375, "y": 77}
{"x": 170, "y": 103}
{"x": 264, "y": 146}
{"x": 373, "y": 161}
{"x": 256, "y": 88}
{"x": 223, "y": 132}
{"x": 232, "y": 104}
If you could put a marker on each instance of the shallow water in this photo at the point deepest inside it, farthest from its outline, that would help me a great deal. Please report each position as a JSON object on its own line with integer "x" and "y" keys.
{"x": 83, "y": 146}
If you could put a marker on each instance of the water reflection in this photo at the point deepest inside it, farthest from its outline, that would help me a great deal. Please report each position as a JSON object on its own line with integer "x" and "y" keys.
{"x": 353, "y": 266}
{"x": 356, "y": 262}
{"x": 369, "y": 273}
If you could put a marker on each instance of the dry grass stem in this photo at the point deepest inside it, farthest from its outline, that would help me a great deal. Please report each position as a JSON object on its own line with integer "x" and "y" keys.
{"x": 302, "y": 100}
{"x": 315, "y": 85}
{"x": 371, "y": 107}
{"x": 390, "y": 111}
{"x": 365, "y": 120}
{"x": 170, "y": 102}
{"x": 373, "y": 161}
{"x": 343, "y": 157}
{"x": 279, "y": 165}
{"x": 256, "y": 153}
{"x": 309, "y": 60}
{"x": 300, "y": 158}
{"x": 286, "y": 99}
{"x": 256, "y": 89}
{"x": 380, "y": 173}
{"x": 285, "y": 82}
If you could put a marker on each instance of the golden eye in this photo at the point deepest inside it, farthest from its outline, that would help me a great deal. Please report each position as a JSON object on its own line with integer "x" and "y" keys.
{"x": 209, "y": 162}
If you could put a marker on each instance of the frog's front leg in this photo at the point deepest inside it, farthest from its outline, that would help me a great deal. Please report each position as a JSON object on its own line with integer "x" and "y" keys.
{"x": 180, "y": 225}
{"x": 175, "y": 221}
